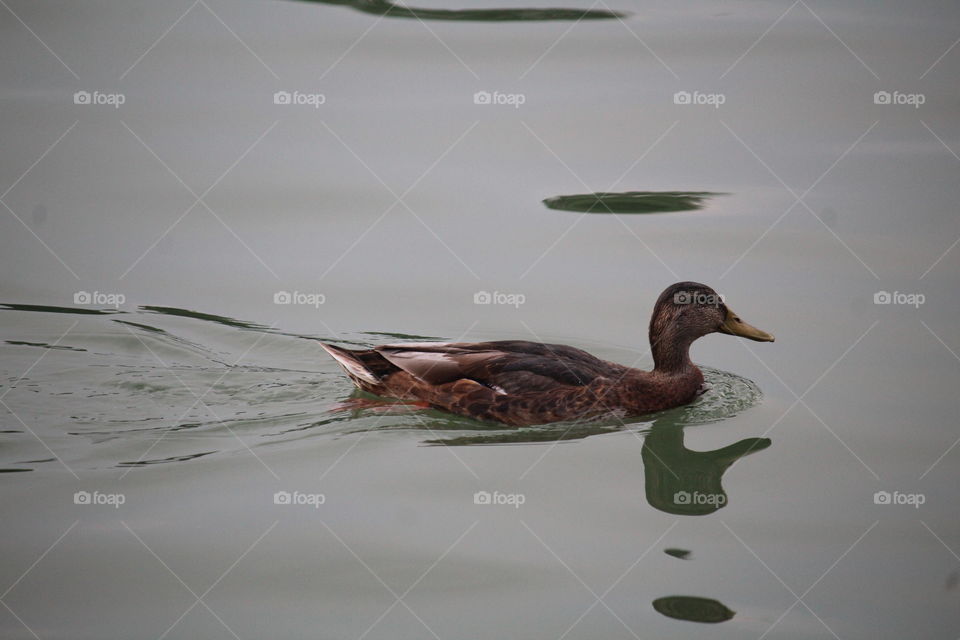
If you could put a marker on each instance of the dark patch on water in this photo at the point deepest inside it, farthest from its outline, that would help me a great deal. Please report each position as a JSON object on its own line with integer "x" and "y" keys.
{"x": 402, "y": 336}
{"x": 390, "y": 10}
{"x": 631, "y": 201}
{"x": 44, "y": 345}
{"x": 10, "y": 306}
{"x": 143, "y": 463}
{"x": 693, "y": 608}
{"x": 209, "y": 317}
{"x": 145, "y": 327}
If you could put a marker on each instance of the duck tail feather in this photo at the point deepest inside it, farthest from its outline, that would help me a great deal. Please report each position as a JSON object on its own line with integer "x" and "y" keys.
{"x": 351, "y": 364}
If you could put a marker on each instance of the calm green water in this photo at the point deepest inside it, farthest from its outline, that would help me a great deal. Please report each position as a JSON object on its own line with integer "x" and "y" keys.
{"x": 180, "y": 459}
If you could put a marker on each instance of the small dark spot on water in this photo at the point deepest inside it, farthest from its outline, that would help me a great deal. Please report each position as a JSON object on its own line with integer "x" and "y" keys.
{"x": 631, "y": 201}
{"x": 693, "y": 609}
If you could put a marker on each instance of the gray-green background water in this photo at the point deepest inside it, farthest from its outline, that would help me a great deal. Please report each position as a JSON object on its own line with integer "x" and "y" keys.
{"x": 395, "y": 202}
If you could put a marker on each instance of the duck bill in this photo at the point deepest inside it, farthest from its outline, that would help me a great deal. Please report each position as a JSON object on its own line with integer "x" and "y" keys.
{"x": 737, "y": 327}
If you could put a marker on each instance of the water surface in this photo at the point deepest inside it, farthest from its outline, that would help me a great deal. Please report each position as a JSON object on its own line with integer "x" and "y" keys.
{"x": 168, "y": 424}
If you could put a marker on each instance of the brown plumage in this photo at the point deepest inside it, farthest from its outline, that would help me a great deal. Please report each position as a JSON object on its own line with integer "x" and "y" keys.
{"x": 519, "y": 383}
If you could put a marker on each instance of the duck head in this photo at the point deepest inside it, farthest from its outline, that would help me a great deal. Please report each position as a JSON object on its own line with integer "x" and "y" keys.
{"x": 686, "y": 311}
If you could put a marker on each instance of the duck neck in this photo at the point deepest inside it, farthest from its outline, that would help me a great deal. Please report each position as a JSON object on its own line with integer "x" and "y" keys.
{"x": 671, "y": 352}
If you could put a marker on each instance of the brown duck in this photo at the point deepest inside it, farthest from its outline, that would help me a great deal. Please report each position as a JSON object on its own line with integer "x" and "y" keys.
{"x": 519, "y": 383}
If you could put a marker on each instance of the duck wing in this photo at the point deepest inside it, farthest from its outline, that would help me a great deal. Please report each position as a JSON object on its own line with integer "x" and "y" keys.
{"x": 507, "y": 366}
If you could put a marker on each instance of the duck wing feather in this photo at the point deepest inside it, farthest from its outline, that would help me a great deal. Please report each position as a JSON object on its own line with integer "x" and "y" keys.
{"x": 507, "y": 366}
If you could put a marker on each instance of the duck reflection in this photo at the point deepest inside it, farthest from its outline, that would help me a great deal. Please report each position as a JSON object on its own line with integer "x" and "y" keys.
{"x": 684, "y": 482}
{"x": 678, "y": 480}
{"x": 391, "y": 10}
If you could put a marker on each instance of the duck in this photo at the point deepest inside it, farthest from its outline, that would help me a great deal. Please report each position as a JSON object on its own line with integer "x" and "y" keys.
{"x": 522, "y": 383}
